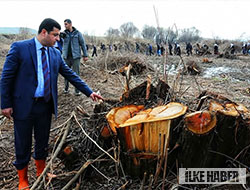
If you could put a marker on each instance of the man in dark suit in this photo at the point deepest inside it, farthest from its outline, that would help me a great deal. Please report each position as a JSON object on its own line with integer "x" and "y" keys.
{"x": 29, "y": 93}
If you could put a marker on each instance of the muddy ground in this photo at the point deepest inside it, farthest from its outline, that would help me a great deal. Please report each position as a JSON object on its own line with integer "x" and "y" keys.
{"x": 227, "y": 77}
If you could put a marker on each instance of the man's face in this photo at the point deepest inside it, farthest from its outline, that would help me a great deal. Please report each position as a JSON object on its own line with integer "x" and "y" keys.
{"x": 67, "y": 25}
{"x": 51, "y": 37}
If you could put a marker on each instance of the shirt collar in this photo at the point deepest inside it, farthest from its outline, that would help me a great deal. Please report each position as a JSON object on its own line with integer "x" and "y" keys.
{"x": 39, "y": 45}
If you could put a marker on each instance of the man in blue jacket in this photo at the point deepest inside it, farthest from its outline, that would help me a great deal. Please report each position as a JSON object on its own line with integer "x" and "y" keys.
{"x": 72, "y": 46}
{"x": 29, "y": 93}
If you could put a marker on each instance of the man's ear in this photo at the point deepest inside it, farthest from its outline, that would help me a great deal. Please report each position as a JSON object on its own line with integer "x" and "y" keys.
{"x": 44, "y": 31}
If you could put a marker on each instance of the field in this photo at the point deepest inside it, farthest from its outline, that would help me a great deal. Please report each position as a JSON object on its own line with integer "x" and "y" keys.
{"x": 229, "y": 77}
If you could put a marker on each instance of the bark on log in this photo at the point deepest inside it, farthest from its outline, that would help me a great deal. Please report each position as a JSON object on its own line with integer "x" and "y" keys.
{"x": 196, "y": 139}
{"x": 233, "y": 133}
{"x": 208, "y": 142}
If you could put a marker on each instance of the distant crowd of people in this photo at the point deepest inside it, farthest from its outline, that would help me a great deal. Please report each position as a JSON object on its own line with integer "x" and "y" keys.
{"x": 159, "y": 49}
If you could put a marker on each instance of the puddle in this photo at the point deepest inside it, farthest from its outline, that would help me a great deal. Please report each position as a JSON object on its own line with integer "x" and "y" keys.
{"x": 235, "y": 74}
{"x": 171, "y": 69}
{"x": 217, "y": 71}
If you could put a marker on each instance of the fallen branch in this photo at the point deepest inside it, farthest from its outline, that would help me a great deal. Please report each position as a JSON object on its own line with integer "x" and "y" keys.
{"x": 123, "y": 186}
{"x": 93, "y": 140}
{"x": 62, "y": 124}
{"x": 84, "y": 166}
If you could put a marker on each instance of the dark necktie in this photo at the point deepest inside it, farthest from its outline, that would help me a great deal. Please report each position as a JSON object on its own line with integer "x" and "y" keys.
{"x": 46, "y": 76}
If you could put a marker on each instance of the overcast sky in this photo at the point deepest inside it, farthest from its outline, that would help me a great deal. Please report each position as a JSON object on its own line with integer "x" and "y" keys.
{"x": 226, "y": 19}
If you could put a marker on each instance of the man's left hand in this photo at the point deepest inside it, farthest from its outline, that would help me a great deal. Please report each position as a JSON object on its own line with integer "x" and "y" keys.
{"x": 94, "y": 96}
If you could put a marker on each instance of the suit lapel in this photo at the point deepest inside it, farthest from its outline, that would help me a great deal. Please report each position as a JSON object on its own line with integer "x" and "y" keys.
{"x": 32, "y": 49}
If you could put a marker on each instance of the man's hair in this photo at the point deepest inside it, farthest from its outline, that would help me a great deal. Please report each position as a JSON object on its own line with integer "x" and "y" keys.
{"x": 48, "y": 24}
{"x": 68, "y": 21}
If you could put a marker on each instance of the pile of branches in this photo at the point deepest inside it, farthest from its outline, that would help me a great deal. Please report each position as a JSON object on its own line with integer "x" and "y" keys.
{"x": 227, "y": 55}
{"x": 115, "y": 62}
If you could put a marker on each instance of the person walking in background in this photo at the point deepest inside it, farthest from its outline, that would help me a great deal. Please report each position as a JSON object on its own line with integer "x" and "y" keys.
{"x": 244, "y": 48}
{"x": 170, "y": 47}
{"x": 115, "y": 47}
{"x": 137, "y": 47}
{"x": 248, "y": 47}
{"x": 216, "y": 49}
{"x": 158, "y": 50}
{"x": 73, "y": 44}
{"x": 110, "y": 48}
{"x": 150, "y": 49}
{"x": 189, "y": 49}
{"x": 94, "y": 53}
{"x": 232, "y": 49}
{"x": 162, "y": 50}
{"x": 29, "y": 94}
{"x": 177, "y": 49}
{"x": 103, "y": 47}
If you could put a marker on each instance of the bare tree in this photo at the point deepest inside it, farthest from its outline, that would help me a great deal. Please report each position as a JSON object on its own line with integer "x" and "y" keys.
{"x": 90, "y": 38}
{"x": 149, "y": 32}
{"x": 111, "y": 34}
{"x": 172, "y": 34}
{"x": 128, "y": 30}
{"x": 24, "y": 33}
{"x": 161, "y": 35}
{"x": 189, "y": 35}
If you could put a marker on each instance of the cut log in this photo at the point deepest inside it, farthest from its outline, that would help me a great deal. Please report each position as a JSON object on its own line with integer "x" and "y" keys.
{"x": 206, "y": 60}
{"x": 200, "y": 122}
{"x": 136, "y": 67}
{"x": 138, "y": 94}
{"x": 119, "y": 115}
{"x": 160, "y": 113}
{"x": 193, "y": 68}
{"x": 144, "y": 136}
{"x": 146, "y": 93}
{"x": 162, "y": 90}
{"x": 230, "y": 109}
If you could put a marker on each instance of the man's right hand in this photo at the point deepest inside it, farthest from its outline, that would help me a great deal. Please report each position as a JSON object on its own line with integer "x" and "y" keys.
{"x": 85, "y": 59}
{"x": 7, "y": 112}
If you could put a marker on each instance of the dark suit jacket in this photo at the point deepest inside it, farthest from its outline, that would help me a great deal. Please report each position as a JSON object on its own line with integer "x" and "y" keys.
{"x": 19, "y": 77}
